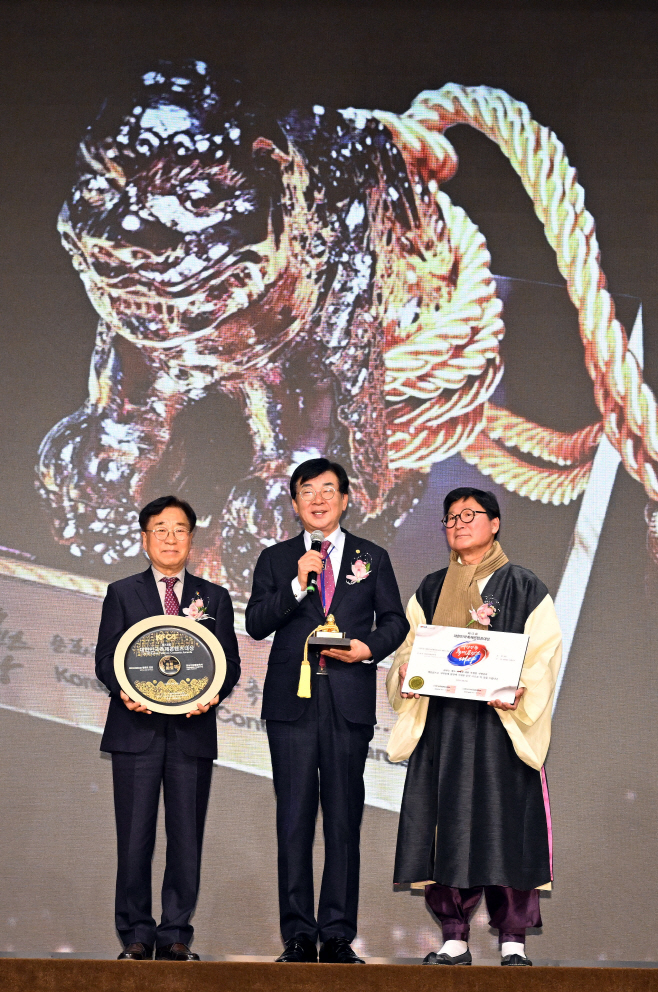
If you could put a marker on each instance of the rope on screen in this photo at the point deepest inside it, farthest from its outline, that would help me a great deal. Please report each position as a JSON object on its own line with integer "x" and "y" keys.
{"x": 627, "y": 405}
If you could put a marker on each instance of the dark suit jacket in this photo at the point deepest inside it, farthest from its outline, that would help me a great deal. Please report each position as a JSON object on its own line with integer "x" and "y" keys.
{"x": 356, "y": 608}
{"x": 136, "y": 598}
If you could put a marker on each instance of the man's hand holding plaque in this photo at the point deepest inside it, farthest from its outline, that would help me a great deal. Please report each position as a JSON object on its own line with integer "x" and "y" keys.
{"x": 133, "y": 705}
{"x": 140, "y": 708}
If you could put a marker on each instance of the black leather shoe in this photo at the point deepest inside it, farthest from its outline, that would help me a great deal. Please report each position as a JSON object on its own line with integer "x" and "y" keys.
{"x": 517, "y": 959}
{"x": 136, "y": 952}
{"x": 338, "y": 950}
{"x": 300, "y": 949}
{"x": 175, "y": 952}
{"x": 434, "y": 958}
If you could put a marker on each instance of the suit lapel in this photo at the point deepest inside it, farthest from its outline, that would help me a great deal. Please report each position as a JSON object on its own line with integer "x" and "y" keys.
{"x": 349, "y": 551}
{"x": 148, "y": 593}
{"x": 191, "y": 586}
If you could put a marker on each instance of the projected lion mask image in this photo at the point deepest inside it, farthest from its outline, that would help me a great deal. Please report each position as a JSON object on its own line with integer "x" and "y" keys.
{"x": 303, "y": 283}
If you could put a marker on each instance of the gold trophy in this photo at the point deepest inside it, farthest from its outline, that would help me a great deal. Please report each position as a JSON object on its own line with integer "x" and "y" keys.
{"x": 326, "y": 635}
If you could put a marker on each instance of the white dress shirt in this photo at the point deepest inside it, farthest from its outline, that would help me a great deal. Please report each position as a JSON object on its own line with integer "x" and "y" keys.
{"x": 337, "y": 540}
{"x": 177, "y": 586}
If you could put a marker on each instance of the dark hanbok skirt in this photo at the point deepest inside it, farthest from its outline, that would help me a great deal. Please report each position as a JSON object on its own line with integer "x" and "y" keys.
{"x": 472, "y": 812}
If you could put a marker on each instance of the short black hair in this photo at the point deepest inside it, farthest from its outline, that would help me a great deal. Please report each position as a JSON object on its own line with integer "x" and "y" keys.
{"x": 486, "y": 499}
{"x": 314, "y": 467}
{"x": 156, "y": 506}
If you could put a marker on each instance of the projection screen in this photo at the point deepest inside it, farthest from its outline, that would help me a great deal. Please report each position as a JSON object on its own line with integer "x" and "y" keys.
{"x": 245, "y": 286}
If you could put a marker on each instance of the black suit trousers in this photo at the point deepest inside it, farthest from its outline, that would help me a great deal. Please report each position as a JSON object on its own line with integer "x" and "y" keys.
{"x": 321, "y": 756}
{"x": 186, "y": 784}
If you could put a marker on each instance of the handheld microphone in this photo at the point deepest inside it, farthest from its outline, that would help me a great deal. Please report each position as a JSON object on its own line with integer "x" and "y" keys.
{"x": 317, "y": 537}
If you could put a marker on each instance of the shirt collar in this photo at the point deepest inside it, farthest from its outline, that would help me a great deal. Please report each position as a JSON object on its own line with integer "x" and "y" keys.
{"x": 159, "y": 575}
{"x": 335, "y": 538}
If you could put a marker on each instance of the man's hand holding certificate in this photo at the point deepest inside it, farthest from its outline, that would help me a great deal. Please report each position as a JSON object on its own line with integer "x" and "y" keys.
{"x": 467, "y": 664}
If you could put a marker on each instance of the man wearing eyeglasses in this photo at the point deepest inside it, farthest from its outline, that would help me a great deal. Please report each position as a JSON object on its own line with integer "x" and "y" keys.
{"x": 475, "y": 815}
{"x": 319, "y": 740}
{"x": 150, "y": 750}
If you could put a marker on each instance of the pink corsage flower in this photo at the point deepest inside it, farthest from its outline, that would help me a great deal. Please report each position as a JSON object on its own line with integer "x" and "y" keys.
{"x": 360, "y": 571}
{"x": 482, "y": 615}
{"x": 197, "y": 610}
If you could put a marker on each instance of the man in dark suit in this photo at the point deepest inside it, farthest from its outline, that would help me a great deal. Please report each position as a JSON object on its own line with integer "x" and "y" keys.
{"x": 319, "y": 741}
{"x": 153, "y": 749}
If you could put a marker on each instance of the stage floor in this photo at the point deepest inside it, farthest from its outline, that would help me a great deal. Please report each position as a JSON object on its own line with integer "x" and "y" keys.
{"x": 46, "y": 974}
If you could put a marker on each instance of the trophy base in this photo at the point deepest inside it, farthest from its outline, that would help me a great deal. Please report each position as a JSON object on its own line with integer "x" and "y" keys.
{"x": 330, "y": 641}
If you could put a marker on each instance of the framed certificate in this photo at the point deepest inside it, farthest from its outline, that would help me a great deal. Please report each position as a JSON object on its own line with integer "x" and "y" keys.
{"x": 465, "y": 663}
{"x": 170, "y": 664}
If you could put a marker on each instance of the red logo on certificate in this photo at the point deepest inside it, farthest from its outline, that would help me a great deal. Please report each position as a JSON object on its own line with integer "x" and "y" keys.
{"x": 467, "y": 653}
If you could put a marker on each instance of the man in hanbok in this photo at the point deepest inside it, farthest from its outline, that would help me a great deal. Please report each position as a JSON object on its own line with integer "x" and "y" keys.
{"x": 475, "y": 813}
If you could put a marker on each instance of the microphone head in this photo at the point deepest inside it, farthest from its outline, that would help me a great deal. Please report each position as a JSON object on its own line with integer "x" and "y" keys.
{"x": 317, "y": 535}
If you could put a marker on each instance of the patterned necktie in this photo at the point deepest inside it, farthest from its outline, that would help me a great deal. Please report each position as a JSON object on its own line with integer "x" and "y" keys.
{"x": 172, "y": 606}
{"x": 327, "y": 584}
{"x": 327, "y": 587}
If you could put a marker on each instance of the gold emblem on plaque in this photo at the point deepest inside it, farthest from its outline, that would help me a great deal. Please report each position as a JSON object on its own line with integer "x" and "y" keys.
{"x": 169, "y": 665}
{"x": 416, "y": 683}
{"x": 172, "y": 691}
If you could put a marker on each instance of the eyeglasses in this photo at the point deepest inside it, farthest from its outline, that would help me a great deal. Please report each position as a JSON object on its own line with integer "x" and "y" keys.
{"x": 308, "y": 494}
{"x": 162, "y": 533}
{"x": 466, "y": 517}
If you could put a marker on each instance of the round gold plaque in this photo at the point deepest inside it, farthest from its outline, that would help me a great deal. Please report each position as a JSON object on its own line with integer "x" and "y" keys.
{"x": 169, "y": 664}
